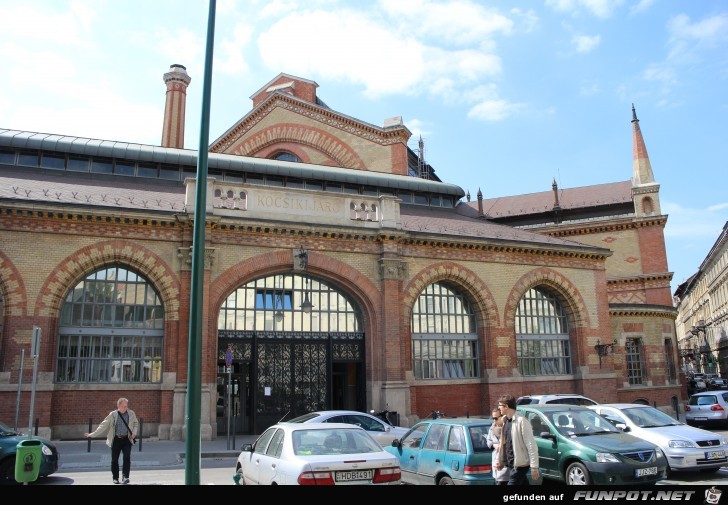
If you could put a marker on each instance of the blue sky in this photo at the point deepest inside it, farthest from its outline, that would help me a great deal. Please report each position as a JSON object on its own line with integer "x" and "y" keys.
{"x": 507, "y": 95}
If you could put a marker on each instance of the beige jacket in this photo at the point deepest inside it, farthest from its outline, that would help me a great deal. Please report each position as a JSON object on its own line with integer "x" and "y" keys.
{"x": 108, "y": 425}
{"x": 525, "y": 450}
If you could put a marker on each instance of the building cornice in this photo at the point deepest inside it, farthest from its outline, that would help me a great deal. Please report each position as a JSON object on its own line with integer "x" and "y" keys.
{"x": 564, "y": 230}
{"x": 642, "y": 310}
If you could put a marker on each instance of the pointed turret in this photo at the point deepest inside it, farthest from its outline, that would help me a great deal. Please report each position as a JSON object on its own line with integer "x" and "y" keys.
{"x": 480, "y": 203}
{"x": 645, "y": 191}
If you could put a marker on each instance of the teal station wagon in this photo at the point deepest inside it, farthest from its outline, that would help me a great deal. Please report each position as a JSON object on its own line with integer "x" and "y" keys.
{"x": 579, "y": 447}
{"x": 445, "y": 452}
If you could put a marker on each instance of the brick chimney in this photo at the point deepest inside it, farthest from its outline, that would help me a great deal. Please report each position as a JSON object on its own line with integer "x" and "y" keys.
{"x": 173, "y": 130}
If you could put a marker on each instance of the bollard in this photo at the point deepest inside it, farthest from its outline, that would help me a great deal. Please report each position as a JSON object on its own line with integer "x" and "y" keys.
{"x": 37, "y": 421}
{"x": 88, "y": 443}
{"x": 141, "y": 433}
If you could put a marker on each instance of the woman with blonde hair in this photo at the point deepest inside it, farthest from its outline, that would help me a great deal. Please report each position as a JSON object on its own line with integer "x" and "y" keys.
{"x": 495, "y": 435}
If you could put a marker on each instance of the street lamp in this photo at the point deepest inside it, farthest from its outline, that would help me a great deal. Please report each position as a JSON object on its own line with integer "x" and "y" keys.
{"x": 302, "y": 256}
{"x": 603, "y": 349}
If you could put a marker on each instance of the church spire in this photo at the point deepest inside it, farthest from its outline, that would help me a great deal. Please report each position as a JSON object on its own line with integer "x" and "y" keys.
{"x": 642, "y": 170}
{"x": 645, "y": 191}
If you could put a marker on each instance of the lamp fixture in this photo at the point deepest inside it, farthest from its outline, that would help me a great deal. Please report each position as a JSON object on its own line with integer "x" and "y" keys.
{"x": 604, "y": 349}
{"x": 306, "y": 305}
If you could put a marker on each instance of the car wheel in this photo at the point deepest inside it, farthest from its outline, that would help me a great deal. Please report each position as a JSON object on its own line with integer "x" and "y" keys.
{"x": 668, "y": 472}
{"x": 577, "y": 475}
{"x": 445, "y": 481}
{"x": 7, "y": 471}
{"x": 240, "y": 479}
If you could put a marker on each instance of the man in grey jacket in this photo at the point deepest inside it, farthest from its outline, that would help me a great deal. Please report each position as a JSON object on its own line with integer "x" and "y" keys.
{"x": 519, "y": 451}
{"x": 120, "y": 427}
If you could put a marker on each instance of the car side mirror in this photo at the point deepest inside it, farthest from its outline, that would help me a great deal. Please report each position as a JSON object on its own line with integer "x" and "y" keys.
{"x": 622, "y": 427}
{"x": 396, "y": 443}
{"x": 548, "y": 435}
{"x": 247, "y": 448}
{"x": 387, "y": 429}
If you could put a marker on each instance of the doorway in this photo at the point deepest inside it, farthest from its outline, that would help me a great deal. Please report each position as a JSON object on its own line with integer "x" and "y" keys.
{"x": 233, "y": 399}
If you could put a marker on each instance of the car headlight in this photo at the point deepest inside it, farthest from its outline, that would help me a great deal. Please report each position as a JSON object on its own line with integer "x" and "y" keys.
{"x": 46, "y": 450}
{"x": 723, "y": 441}
{"x": 659, "y": 454}
{"x": 680, "y": 443}
{"x": 605, "y": 457}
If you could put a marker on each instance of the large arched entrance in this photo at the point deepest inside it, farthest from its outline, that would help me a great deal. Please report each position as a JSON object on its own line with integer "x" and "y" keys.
{"x": 294, "y": 344}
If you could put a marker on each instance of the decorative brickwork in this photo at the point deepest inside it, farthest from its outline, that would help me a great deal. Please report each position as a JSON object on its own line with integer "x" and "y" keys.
{"x": 571, "y": 298}
{"x": 470, "y": 282}
{"x": 12, "y": 289}
{"x": 94, "y": 257}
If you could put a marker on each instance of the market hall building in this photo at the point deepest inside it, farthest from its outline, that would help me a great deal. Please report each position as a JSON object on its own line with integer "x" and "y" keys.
{"x": 340, "y": 273}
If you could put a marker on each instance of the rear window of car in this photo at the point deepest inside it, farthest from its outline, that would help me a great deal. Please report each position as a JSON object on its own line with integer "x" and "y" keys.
{"x": 703, "y": 400}
{"x": 573, "y": 401}
{"x": 478, "y": 435}
{"x": 526, "y": 401}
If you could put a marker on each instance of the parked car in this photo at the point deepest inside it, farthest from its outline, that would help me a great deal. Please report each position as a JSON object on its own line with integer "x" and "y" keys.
{"x": 717, "y": 383}
{"x": 696, "y": 385}
{"x": 579, "y": 447}
{"x": 707, "y": 408}
{"x": 314, "y": 454}
{"x": 564, "y": 398}
{"x": 445, "y": 452}
{"x": 382, "y": 432}
{"x": 685, "y": 447}
{"x": 9, "y": 440}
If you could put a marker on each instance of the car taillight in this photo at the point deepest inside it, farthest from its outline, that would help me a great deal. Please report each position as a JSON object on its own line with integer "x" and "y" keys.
{"x": 477, "y": 469}
{"x": 716, "y": 407}
{"x": 687, "y": 408}
{"x": 316, "y": 479}
{"x": 386, "y": 475}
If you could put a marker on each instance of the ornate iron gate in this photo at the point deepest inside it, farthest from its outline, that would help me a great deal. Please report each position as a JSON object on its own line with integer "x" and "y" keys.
{"x": 291, "y": 372}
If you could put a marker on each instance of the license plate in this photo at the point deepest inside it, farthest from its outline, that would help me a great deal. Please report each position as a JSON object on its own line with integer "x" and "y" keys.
{"x": 354, "y": 475}
{"x": 701, "y": 418}
{"x": 641, "y": 472}
{"x": 715, "y": 455}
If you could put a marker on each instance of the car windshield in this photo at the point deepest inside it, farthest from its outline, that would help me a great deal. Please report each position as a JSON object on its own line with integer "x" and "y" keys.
{"x": 648, "y": 417}
{"x": 6, "y": 431}
{"x": 333, "y": 441}
{"x": 304, "y": 418}
{"x": 580, "y": 423}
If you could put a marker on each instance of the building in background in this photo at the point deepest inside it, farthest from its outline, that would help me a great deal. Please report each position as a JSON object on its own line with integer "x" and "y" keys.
{"x": 702, "y": 322}
{"x": 340, "y": 273}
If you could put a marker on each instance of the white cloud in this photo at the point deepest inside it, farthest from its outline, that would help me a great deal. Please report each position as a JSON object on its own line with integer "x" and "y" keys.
{"x": 588, "y": 88}
{"x": 661, "y": 73}
{"x": 585, "y": 43}
{"x": 600, "y": 8}
{"x": 457, "y": 21}
{"x": 230, "y": 59}
{"x": 641, "y": 6}
{"x": 692, "y": 223}
{"x": 528, "y": 19}
{"x": 349, "y": 46}
{"x": 418, "y": 128}
{"x": 494, "y": 110}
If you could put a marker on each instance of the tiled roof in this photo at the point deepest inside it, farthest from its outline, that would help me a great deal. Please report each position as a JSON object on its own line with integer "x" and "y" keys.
{"x": 49, "y": 188}
{"x": 569, "y": 199}
{"x": 460, "y": 222}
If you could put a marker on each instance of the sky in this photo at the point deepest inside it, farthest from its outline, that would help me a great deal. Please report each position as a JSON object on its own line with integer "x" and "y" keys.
{"x": 507, "y": 95}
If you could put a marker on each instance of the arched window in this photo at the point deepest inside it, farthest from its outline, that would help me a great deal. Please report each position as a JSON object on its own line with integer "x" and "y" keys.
{"x": 542, "y": 335}
{"x": 444, "y": 338}
{"x": 286, "y": 156}
{"x": 111, "y": 330}
{"x": 647, "y": 207}
{"x": 274, "y": 303}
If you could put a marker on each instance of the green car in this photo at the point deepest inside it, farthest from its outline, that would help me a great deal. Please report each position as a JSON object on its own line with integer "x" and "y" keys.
{"x": 579, "y": 447}
{"x": 445, "y": 452}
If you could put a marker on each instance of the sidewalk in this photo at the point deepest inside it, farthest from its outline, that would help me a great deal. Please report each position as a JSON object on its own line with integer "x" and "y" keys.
{"x": 75, "y": 454}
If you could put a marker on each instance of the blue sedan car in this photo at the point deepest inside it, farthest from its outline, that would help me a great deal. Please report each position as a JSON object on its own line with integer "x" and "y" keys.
{"x": 9, "y": 440}
{"x": 445, "y": 452}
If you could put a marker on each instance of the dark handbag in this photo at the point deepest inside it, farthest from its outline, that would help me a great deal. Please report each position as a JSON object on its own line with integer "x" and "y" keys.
{"x": 133, "y": 440}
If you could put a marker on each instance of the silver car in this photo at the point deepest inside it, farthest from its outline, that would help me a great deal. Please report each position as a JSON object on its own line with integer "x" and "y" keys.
{"x": 707, "y": 408}
{"x": 383, "y": 432}
{"x": 315, "y": 455}
{"x": 685, "y": 447}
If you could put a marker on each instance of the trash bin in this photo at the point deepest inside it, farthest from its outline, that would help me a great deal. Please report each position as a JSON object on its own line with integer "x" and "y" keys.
{"x": 27, "y": 460}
